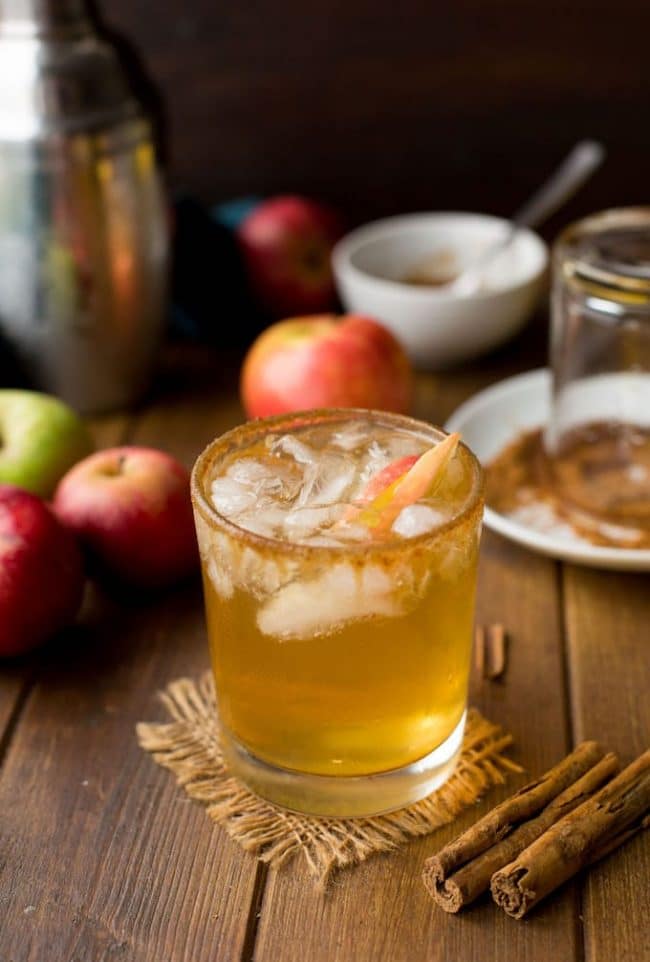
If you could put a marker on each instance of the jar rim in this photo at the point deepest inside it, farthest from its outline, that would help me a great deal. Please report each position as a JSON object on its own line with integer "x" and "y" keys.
{"x": 590, "y": 246}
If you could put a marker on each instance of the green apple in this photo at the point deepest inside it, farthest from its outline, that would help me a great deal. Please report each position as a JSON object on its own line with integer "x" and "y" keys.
{"x": 40, "y": 438}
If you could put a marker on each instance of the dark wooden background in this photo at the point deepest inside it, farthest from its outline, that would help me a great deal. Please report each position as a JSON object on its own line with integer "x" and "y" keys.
{"x": 382, "y": 106}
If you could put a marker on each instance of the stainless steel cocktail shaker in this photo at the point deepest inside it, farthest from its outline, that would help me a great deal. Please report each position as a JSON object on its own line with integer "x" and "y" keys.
{"x": 83, "y": 221}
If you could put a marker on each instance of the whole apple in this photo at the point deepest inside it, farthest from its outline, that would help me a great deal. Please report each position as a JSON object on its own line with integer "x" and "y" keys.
{"x": 41, "y": 572}
{"x": 287, "y": 242}
{"x": 325, "y": 361}
{"x": 131, "y": 509}
{"x": 40, "y": 438}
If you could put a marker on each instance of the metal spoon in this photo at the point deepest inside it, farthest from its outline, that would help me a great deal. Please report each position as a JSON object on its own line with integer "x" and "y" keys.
{"x": 573, "y": 172}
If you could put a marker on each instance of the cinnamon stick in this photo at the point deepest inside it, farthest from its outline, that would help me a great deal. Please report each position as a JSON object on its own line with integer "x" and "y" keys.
{"x": 588, "y": 833}
{"x": 490, "y": 651}
{"x": 470, "y": 881}
{"x": 502, "y": 820}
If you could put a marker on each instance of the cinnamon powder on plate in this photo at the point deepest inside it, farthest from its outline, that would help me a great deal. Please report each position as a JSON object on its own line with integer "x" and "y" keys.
{"x": 597, "y": 489}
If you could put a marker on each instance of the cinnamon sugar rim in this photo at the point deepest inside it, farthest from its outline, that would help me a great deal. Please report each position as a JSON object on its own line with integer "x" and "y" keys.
{"x": 242, "y": 436}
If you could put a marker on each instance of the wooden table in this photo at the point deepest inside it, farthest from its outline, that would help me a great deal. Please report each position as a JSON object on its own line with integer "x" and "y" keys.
{"x": 102, "y": 857}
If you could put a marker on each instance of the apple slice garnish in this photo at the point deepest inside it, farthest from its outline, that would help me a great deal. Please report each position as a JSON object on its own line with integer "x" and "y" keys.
{"x": 384, "y": 478}
{"x": 378, "y": 483}
{"x": 422, "y": 478}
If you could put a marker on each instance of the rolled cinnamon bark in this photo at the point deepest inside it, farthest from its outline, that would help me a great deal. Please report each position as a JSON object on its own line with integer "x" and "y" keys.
{"x": 490, "y": 651}
{"x": 501, "y": 821}
{"x": 590, "y": 832}
{"x": 470, "y": 881}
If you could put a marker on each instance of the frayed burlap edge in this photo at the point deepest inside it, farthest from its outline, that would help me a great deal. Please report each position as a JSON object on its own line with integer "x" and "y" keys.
{"x": 189, "y": 746}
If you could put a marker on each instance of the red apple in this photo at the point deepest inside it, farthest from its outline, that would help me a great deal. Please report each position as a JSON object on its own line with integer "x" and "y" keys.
{"x": 325, "y": 361}
{"x": 131, "y": 509}
{"x": 287, "y": 242}
{"x": 41, "y": 572}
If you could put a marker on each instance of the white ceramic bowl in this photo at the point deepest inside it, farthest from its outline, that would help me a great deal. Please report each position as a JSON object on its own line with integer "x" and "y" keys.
{"x": 437, "y": 326}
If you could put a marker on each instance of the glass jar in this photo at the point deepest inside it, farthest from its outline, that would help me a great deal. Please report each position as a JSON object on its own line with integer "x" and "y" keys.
{"x": 598, "y": 434}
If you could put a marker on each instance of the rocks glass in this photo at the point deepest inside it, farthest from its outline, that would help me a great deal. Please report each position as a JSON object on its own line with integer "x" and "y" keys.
{"x": 340, "y": 660}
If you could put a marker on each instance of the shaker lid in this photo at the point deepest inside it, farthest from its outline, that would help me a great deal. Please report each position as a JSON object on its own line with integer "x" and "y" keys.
{"x": 59, "y": 75}
{"x": 42, "y": 17}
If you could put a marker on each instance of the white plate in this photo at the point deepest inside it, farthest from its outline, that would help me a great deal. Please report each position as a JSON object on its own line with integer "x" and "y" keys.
{"x": 493, "y": 418}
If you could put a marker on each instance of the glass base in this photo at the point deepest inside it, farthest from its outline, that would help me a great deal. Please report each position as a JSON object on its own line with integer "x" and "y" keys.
{"x": 344, "y": 796}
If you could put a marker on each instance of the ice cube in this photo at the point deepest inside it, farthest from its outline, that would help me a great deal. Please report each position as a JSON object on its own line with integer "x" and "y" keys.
{"x": 216, "y": 557}
{"x": 231, "y": 497}
{"x": 376, "y": 582}
{"x": 308, "y": 485}
{"x": 259, "y": 574}
{"x": 340, "y": 594}
{"x": 302, "y": 522}
{"x": 248, "y": 484}
{"x": 265, "y": 520}
{"x": 220, "y": 577}
{"x": 289, "y": 444}
{"x": 417, "y": 519}
{"x": 349, "y": 438}
{"x": 248, "y": 471}
{"x": 326, "y": 482}
{"x": 376, "y": 458}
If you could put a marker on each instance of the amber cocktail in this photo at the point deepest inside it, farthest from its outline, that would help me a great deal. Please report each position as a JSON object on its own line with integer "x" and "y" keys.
{"x": 340, "y": 635}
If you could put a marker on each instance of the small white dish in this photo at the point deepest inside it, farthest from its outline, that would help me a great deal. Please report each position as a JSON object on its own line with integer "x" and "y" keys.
{"x": 492, "y": 419}
{"x": 439, "y": 325}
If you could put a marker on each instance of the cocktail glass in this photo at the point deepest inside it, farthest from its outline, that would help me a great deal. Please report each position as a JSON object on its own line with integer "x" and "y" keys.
{"x": 341, "y": 664}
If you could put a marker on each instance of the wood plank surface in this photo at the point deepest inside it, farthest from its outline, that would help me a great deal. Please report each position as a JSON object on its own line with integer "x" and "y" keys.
{"x": 109, "y": 430}
{"x": 103, "y": 856}
{"x": 13, "y": 682}
{"x": 381, "y": 910}
{"x": 608, "y": 627}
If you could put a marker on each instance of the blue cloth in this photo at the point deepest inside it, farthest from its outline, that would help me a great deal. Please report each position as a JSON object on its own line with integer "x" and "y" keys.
{"x": 211, "y": 300}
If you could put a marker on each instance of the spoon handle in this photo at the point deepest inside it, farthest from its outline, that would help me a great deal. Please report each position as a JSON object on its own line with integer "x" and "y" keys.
{"x": 578, "y": 166}
{"x": 575, "y": 169}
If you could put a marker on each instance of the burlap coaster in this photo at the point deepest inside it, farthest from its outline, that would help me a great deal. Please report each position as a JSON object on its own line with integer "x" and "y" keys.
{"x": 189, "y": 747}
